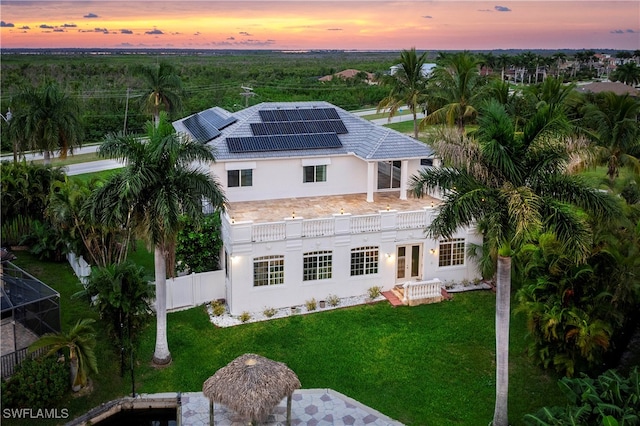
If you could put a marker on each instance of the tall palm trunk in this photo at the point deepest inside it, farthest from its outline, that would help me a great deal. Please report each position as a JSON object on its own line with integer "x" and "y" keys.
{"x": 503, "y": 307}
{"x": 74, "y": 376}
{"x": 161, "y": 354}
{"x": 415, "y": 123}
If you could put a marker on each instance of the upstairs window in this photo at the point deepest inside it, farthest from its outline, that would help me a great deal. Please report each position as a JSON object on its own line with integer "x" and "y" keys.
{"x": 314, "y": 173}
{"x": 237, "y": 178}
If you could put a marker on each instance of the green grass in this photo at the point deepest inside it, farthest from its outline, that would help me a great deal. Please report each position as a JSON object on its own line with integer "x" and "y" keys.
{"x": 431, "y": 364}
{"x": 597, "y": 177}
{"x": 424, "y": 365}
{"x": 86, "y": 177}
{"x": 141, "y": 256}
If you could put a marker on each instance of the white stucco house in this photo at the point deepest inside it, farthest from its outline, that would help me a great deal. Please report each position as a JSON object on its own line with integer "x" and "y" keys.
{"x": 319, "y": 205}
{"x": 426, "y": 70}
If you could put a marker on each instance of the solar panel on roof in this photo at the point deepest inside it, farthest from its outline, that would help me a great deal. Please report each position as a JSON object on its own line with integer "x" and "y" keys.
{"x": 337, "y": 126}
{"x": 216, "y": 120}
{"x": 292, "y": 114}
{"x": 283, "y": 142}
{"x": 332, "y": 114}
{"x": 299, "y": 127}
{"x": 314, "y": 126}
{"x": 305, "y": 114}
{"x": 280, "y": 115}
{"x": 266, "y": 115}
{"x": 258, "y": 129}
{"x": 302, "y": 114}
{"x": 200, "y": 129}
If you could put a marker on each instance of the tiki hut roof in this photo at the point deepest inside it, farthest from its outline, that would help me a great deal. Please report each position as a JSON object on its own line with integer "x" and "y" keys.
{"x": 251, "y": 385}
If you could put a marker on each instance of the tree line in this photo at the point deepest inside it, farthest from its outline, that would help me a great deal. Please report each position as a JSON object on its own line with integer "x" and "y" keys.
{"x": 510, "y": 159}
{"x": 512, "y": 155}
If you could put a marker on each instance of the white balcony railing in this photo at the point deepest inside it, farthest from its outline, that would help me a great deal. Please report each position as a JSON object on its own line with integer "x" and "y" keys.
{"x": 412, "y": 220}
{"x": 318, "y": 227}
{"x": 369, "y": 223}
{"x": 274, "y": 231}
{"x": 248, "y": 231}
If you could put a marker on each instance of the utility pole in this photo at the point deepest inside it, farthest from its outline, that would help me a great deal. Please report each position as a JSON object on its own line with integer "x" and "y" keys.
{"x": 248, "y": 92}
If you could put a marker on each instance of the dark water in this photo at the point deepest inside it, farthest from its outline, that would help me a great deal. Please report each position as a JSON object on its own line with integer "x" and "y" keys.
{"x": 150, "y": 417}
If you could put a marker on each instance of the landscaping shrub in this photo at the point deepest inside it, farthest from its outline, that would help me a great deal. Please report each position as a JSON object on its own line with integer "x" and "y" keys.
{"x": 374, "y": 291}
{"x": 311, "y": 304}
{"x": 269, "y": 312}
{"x": 333, "y": 300}
{"x": 26, "y": 188}
{"x": 45, "y": 242}
{"x": 36, "y": 383}
{"x": 218, "y": 308}
{"x": 198, "y": 245}
{"x": 610, "y": 399}
{"x": 14, "y": 229}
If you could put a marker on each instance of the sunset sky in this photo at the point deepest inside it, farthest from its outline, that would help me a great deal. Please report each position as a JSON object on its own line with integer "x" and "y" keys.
{"x": 320, "y": 24}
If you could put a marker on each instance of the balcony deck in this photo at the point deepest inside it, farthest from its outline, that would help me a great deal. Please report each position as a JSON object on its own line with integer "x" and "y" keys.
{"x": 324, "y": 206}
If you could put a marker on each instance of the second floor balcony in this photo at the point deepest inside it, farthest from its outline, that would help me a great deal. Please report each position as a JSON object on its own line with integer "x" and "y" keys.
{"x": 314, "y": 217}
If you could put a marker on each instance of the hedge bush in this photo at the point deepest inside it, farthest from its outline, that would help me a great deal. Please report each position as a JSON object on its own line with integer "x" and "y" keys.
{"x": 36, "y": 383}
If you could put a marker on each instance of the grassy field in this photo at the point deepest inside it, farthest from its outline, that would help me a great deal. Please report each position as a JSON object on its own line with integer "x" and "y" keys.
{"x": 425, "y": 365}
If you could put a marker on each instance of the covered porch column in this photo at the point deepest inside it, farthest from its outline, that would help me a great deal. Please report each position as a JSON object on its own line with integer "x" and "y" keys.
{"x": 404, "y": 177}
{"x": 371, "y": 180}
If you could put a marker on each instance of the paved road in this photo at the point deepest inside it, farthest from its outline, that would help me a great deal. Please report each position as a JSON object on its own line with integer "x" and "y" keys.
{"x": 100, "y": 165}
{"x": 92, "y": 167}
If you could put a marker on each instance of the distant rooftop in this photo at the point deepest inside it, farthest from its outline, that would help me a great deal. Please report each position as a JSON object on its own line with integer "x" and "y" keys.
{"x": 608, "y": 86}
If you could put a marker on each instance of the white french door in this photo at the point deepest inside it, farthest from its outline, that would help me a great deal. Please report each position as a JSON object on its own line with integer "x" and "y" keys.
{"x": 409, "y": 262}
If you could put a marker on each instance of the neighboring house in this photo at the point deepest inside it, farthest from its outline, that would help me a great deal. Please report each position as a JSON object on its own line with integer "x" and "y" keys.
{"x": 349, "y": 73}
{"x": 608, "y": 86}
{"x": 427, "y": 69}
{"x": 319, "y": 205}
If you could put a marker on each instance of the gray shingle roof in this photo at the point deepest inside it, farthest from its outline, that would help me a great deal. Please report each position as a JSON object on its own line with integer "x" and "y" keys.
{"x": 364, "y": 139}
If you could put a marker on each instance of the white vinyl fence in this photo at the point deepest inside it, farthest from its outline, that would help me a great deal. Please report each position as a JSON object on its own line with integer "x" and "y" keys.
{"x": 195, "y": 289}
{"x": 182, "y": 292}
{"x": 80, "y": 266}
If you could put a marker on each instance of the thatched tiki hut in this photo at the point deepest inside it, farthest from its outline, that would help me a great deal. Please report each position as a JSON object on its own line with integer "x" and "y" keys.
{"x": 252, "y": 386}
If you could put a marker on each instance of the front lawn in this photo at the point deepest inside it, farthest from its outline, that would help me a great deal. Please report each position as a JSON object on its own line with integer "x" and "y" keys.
{"x": 425, "y": 365}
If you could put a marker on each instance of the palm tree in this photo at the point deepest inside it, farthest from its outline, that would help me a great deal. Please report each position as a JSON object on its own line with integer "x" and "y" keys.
{"x": 513, "y": 186}
{"x": 559, "y": 58}
{"x": 163, "y": 88}
{"x": 46, "y": 119}
{"x": 488, "y": 61}
{"x": 80, "y": 341}
{"x": 122, "y": 297}
{"x": 503, "y": 61}
{"x": 550, "y": 92}
{"x": 612, "y": 123}
{"x": 628, "y": 73}
{"x": 68, "y": 210}
{"x": 157, "y": 186}
{"x": 456, "y": 85}
{"x": 408, "y": 86}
